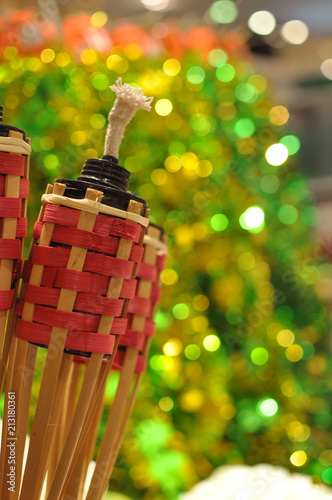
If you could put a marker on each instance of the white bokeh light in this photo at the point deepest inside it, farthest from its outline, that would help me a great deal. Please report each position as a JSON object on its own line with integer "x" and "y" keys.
{"x": 262, "y": 22}
{"x": 276, "y": 155}
{"x": 326, "y": 68}
{"x": 252, "y": 218}
{"x": 155, "y": 4}
{"x": 295, "y": 32}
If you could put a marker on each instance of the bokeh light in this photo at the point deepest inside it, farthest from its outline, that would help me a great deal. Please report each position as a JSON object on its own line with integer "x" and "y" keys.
{"x": 219, "y": 222}
{"x": 292, "y": 143}
{"x": 192, "y": 352}
{"x": 155, "y": 4}
{"x": 276, "y": 154}
{"x": 259, "y": 355}
{"x": 326, "y": 68}
{"x": 217, "y": 57}
{"x": 173, "y": 347}
{"x": 288, "y": 214}
{"x": 172, "y": 67}
{"x": 47, "y": 55}
{"x": 181, "y": 311}
{"x": 252, "y": 218}
{"x": 294, "y": 353}
{"x": 211, "y": 343}
{"x": 262, "y": 22}
{"x": 295, "y": 32}
{"x": 195, "y": 75}
{"x": 99, "y": 19}
{"x": 268, "y": 407}
{"x": 298, "y": 458}
{"x": 279, "y": 115}
{"x": 285, "y": 338}
{"x": 223, "y": 11}
{"x": 166, "y": 403}
{"x": 225, "y": 73}
{"x": 163, "y": 107}
{"x": 327, "y": 475}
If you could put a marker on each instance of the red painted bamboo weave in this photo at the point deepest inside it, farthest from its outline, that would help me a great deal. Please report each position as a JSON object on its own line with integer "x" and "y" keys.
{"x": 12, "y": 165}
{"x": 90, "y": 284}
{"x": 143, "y": 307}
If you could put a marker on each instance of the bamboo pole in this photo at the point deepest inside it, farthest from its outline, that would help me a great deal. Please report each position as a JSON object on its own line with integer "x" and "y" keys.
{"x": 77, "y": 480}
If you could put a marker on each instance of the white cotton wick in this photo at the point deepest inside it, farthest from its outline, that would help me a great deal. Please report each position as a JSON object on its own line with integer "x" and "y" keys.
{"x": 128, "y": 100}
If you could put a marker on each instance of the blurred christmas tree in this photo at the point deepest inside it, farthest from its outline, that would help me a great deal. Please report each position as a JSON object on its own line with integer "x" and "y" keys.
{"x": 239, "y": 369}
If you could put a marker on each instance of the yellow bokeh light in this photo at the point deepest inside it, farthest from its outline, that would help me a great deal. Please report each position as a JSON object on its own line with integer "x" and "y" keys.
{"x": 246, "y": 261}
{"x": 169, "y": 276}
{"x": 200, "y": 231}
{"x": 88, "y": 57}
{"x": 201, "y": 303}
{"x": 173, "y": 347}
{"x": 33, "y": 64}
{"x": 62, "y": 59}
{"x": 91, "y": 153}
{"x": 289, "y": 388}
{"x": 47, "y": 142}
{"x": 298, "y": 432}
{"x": 184, "y": 236}
{"x": 29, "y": 89}
{"x": 211, "y": 343}
{"x": 226, "y": 110}
{"x": 190, "y": 161}
{"x": 10, "y": 52}
{"x": 99, "y": 19}
{"x": 163, "y": 107}
{"x": 298, "y": 458}
{"x": 227, "y": 411}
{"x": 325, "y": 457}
{"x": 246, "y": 146}
{"x": 159, "y": 176}
{"x": 173, "y": 163}
{"x": 173, "y": 121}
{"x": 172, "y": 67}
{"x": 273, "y": 329}
{"x": 259, "y": 82}
{"x": 279, "y": 115}
{"x": 78, "y": 137}
{"x": 133, "y": 51}
{"x": 294, "y": 353}
{"x": 285, "y": 338}
{"x": 199, "y": 323}
{"x": 117, "y": 64}
{"x": 192, "y": 400}
{"x": 166, "y": 403}
{"x": 205, "y": 168}
{"x": 47, "y": 55}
